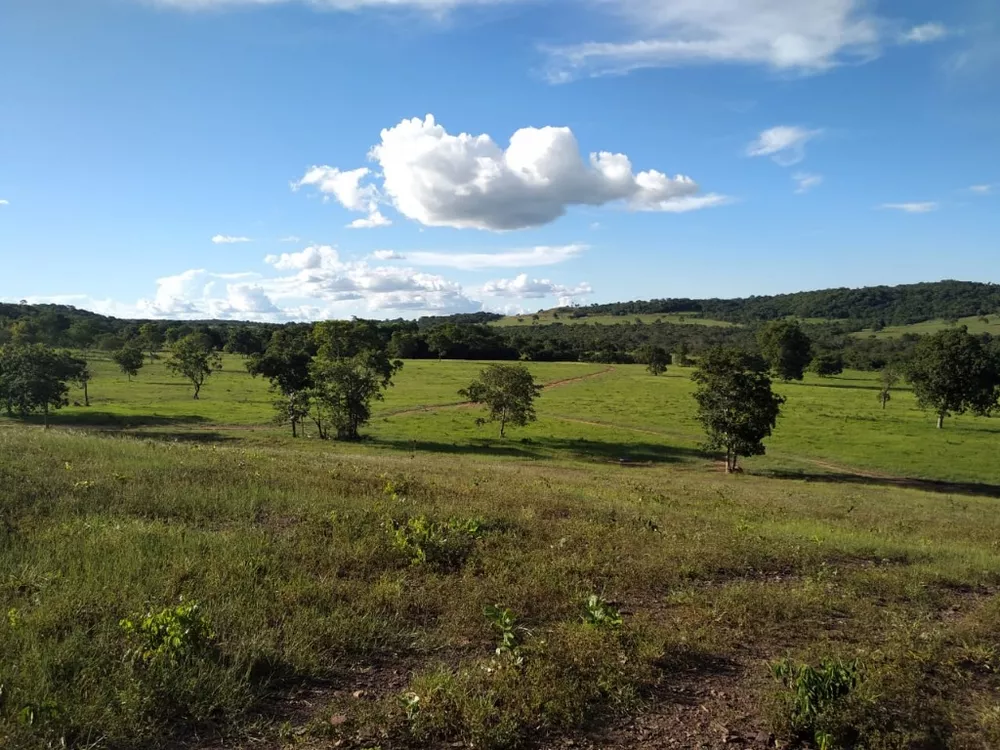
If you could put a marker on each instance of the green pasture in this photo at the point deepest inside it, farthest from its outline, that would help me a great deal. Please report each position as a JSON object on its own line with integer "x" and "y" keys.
{"x": 975, "y": 324}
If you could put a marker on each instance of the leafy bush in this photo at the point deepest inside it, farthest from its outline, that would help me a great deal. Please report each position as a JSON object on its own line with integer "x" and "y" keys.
{"x": 600, "y": 614}
{"x": 173, "y": 635}
{"x": 815, "y": 691}
{"x": 443, "y": 544}
{"x": 505, "y": 621}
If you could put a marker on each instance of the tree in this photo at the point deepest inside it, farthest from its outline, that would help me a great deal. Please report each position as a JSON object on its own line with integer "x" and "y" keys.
{"x": 654, "y": 357}
{"x": 952, "y": 373}
{"x": 129, "y": 359}
{"x": 786, "y": 348}
{"x": 889, "y": 378}
{"x": 34, "y": 377}
{"x": 348, "y": 373}
{"x": 682, "y": 356}
{"x": 193, "y": 357}
{"x": 247, "y": 341}
{"x": 152, "y": 338}
{"x": 736, "y": 405}
{"x": 285, "y": 362}
{"x": 508, "y": 392}
{"x": 828, "y": 363}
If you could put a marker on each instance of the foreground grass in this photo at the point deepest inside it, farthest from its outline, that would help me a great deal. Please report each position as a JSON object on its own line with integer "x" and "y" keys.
{"x": 361, "y": 576}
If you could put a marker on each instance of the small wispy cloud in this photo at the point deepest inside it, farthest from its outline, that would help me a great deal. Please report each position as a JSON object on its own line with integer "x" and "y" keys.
{"x": 388, "y": 255}
{"x": 4, "y": 202}
{"x": 784, "y": 143}
{"x": 804, "y": 182}
{"x": 981, "y": 189}
{"x": 374, "y": 219}
{"x": 924, "y": 207}
{"x": 290, "y": 238}
{"x": 925, "y": 33}
{"x": 225, "y": 239}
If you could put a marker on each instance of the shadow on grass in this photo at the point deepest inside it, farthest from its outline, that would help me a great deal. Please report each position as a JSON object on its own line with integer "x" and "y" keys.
{"x": 108, "y": 419}
{"x": 975, "y": 489}
{"x": 628, "y": 454}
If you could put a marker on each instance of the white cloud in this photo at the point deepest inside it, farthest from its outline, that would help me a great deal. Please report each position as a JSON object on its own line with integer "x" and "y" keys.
{"x": 225, "y": 239}
{"x": 374, "y": 219}
{"x": 4, "y": 202}
{"x": 981, "y": 189}
{"x": 388, "y": 255}
{"x": 912, "y": 208}
{"x": 784, "y": 143}
{"x": 804, "y": 182}
{"x": 528, "y": 258}
{"x": 290, "y": 238}
{"x": 322, "y": 277}
{"x": 924, "y": 33}
{"x": 468, "y": 181}
{"x": 804, "y": 36}
{"x": 347, "y": 188}
{"x": 521, "y": 287}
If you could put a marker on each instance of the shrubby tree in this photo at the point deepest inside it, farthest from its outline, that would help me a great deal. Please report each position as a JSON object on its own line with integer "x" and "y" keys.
{"x": 193, "y": 357}
{"x": 888, "y": 378}
{"x": 952, "y": 373}
{"x": 828, "y": 363}
{"x": 682, "y": 355}
{"x": 34, "y": 377}
{"x": 152, "y": 339}
{"x": 129, "y": 359}
{"x": 786, "y": 348}
{"x": 351, "y": 369}
{"x": 736, "y": 405}
{"x": 508, "y": 392}
{"x": 285, "y": 362}
{"x": 654, "y": 357}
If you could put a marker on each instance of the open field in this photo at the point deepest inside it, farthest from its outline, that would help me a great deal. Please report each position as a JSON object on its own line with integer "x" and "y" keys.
{"x": 548, "y": 316}
{"x": 341, "y": 587}
{"x": 974, "y": 324}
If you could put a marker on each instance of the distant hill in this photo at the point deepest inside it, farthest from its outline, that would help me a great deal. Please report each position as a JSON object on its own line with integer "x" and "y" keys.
{"x": 874, "y": 306}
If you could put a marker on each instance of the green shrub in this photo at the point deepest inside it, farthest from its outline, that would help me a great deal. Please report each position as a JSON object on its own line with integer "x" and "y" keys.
{"x": 814, "y": 692}
{"x": 174, "y": 634}
{"x": 442, "y": 544}
{"x": 601, "y": 614}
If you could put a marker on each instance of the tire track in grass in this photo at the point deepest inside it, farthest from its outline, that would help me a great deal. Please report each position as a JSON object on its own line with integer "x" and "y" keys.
{"x": 468, "y": 404}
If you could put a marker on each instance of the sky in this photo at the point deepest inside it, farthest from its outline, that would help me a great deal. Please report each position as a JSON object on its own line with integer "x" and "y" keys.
{"x": 308, "y": 159}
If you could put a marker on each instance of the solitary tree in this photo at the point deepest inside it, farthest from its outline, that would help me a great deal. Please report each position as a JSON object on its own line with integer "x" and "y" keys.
{"x": 344, "y": 386}
{"x": 736, "y": 405}
{"x": 129, "y": 359}
{"x": 828, "y": 363}
{"x": 654, "y": 357}
{"x": 285, "y": 362}
{"x": 78, "y": 371}
{"x": 508, "y": 392}
{"x": 889, "y": 377}
{"x": 193, "y": 357}
{"x": 152, "y": 339}
{"x": 952, "y": 373}
{"x": 786, "y": 348}
{"x": 34, "y": 377}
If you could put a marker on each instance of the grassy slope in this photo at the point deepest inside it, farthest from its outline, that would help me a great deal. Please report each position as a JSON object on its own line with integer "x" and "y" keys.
{"x": 547, "y": 317}
{"x": 286, "y": 546}
{"x": 974, "y": 324}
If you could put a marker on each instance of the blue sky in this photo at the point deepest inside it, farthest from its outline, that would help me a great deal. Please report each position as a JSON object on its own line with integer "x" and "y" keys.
{"x": 275, "y": 159}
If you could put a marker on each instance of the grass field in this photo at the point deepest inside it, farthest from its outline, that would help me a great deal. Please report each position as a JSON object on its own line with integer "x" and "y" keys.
{"x": 341, "y": 588}
{"x": 975, "y": 325}
{"x": 548, "y": 316}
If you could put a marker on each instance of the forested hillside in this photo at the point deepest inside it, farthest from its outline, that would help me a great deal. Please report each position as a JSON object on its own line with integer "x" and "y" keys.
{"x": 877, "y": 305}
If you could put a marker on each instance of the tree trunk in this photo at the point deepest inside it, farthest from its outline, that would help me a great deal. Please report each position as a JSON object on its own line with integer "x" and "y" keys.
{"x": 293, "y": 429}
{"x": 46, "y": 412}
{"x": 940, "y": 422}
{"x": 197, "y": 387}
{"x": 86, "y": 395}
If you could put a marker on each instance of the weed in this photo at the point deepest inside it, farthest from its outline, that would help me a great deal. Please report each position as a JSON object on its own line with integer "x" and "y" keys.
{"x": 174, "y": 634}
{"x": 815, "y": 691}
{"x": 601, "y": 614}
{"x": 504, "y": 620}
{"x": 443, "y": 544}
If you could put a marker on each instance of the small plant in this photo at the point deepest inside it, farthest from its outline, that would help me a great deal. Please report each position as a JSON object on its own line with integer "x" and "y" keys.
{"x": 410, "y": 703}
{"x": 814, "y": 691}
{"x": 504, "y": 620}
{"x": 445, "y": 544}
{"x": 600, "y": 614}
{"x": 174, "y": 634}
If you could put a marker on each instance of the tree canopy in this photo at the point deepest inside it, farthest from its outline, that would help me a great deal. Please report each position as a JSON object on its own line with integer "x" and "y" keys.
{"x": 952, "y": 373}
{"x": 508, "y": 392}
{"x": 34, "y": 377}
{"x": 786, "y": 347}
{"x": 736, "y": 405}
{"x": 194, "y": 358}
